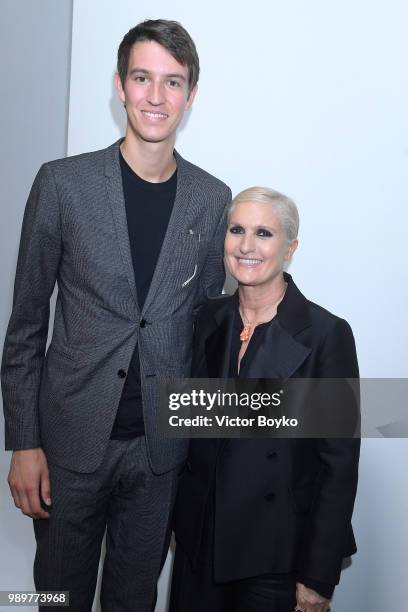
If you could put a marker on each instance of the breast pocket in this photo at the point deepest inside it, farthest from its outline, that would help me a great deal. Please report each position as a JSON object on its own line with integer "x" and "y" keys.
{"x": 193, "y": 245}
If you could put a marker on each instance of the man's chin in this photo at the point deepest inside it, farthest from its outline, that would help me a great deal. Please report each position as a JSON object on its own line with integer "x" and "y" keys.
{"x": 152, "y": 137}
{"x": 155, "y": 139}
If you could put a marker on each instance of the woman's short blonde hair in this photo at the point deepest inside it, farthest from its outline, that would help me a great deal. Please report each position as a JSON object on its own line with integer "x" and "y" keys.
{"x": 284, "y": 207}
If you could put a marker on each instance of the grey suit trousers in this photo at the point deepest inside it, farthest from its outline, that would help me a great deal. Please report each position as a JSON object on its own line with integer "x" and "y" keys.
{"x": 133, "y": 504}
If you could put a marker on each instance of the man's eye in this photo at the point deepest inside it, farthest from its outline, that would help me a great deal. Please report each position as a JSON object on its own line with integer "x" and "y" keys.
{"x": 174, "y": 83}
{"x": 236, "y": 229}
{"x": 264, "y": 233}
{"x": 140, "y": 79}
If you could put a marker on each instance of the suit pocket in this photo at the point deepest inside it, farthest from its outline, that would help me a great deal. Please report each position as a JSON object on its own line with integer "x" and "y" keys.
{"x": 302, "y": 497}
{"x": 59, "y": 351}
{"x": 58, "y": 373}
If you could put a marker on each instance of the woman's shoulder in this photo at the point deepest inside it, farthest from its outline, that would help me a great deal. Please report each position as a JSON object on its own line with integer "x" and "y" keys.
{"x": 298, "y": 312}
{"x": 324, "y": 319}
{"x": 333, "y": 338}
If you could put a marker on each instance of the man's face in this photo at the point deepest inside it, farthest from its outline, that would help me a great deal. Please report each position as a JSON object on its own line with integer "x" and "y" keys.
{"x": 155, "y": 92}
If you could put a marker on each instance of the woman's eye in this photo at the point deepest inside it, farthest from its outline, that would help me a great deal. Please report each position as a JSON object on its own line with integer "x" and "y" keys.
{"x": 236, "y": 229}
{"x": 264, "y": 233}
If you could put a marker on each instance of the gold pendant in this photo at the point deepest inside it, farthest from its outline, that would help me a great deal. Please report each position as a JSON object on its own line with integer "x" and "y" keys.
{"x": 244, "y": 335}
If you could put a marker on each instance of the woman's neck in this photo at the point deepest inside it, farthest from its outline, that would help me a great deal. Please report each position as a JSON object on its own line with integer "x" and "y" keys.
{"x": 254, "y": 300}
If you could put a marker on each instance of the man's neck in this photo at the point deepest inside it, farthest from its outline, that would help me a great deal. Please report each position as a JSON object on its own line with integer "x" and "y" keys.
{"x": 152, "y": 161}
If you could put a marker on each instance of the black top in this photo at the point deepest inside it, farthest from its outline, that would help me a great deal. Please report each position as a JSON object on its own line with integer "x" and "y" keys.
{"x": 258, "y": 336}
{"x": 148, "y": 210}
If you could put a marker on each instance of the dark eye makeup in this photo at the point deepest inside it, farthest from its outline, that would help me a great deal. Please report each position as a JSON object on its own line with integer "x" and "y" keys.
{"x": 236, "y": 229}
{"x": 261, "y": 231}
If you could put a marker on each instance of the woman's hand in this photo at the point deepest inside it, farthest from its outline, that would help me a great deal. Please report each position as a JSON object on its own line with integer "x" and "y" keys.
{"x": 307, "y": 600}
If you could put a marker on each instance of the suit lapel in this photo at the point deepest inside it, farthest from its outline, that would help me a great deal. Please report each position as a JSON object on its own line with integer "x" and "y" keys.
{"x": 279, "y": 355}
{"x": 114, "y": 188}
{"x": 175, "y": 227}
{"x": 177, "y": 222}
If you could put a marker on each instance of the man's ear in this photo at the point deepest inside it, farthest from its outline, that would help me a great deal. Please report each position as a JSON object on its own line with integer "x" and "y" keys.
{"x": 191, "y": 97}
{"x": 119, "y": 88}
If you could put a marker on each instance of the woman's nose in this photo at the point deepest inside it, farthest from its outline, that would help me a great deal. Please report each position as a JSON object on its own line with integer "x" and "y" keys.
{"x": 247, "y": 244}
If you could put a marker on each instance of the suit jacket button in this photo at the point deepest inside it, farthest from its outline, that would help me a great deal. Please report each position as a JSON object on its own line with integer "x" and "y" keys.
{"x": 121, "y": 373}
{"x": 142, "y": 323}
{"x": 272, "y": 455}
{"x": 270, "y": 496}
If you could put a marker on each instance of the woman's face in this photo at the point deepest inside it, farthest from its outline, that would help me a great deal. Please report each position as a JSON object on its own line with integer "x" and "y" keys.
{"x": 256, "y": 247}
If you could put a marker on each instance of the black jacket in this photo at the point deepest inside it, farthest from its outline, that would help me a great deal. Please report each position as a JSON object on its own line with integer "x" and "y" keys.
{"x": 281, "y": 505}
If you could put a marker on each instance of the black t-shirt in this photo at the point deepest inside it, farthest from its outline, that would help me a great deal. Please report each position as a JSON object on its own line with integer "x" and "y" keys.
{"x": 148, "y": 210}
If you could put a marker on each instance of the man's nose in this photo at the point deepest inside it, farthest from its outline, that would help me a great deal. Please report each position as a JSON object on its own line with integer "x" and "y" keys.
{"x": 156, "y": 93}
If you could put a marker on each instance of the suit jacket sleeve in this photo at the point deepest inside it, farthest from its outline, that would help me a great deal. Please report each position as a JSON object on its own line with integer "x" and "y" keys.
{"x": 212, "y": 277}
{"x": 26, "y": 337}
{"x": 329, "y": 527}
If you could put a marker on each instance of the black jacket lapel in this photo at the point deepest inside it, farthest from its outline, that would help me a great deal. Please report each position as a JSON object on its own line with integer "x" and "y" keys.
{"x": 279, "y": 355}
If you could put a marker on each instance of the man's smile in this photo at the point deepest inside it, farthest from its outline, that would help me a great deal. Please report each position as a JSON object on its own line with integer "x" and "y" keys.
{"x": 154, "y": 116}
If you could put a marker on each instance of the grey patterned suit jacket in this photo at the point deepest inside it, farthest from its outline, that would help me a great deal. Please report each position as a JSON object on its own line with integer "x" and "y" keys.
{"x": 75, "y": 233}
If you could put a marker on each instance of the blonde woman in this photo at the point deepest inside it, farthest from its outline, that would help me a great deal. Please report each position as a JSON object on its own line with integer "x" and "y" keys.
{"x": 262, "y": 525}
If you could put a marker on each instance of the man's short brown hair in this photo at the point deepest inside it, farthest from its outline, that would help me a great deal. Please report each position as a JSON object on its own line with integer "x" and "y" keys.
{"x": 169, "y": 34}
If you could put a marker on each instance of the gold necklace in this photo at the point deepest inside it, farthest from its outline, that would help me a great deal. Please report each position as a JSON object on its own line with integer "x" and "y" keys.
{"x": 246, "y": 331}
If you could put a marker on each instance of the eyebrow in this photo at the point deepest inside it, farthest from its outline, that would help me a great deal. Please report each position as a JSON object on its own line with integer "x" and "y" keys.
{"x": 168, "y": 76}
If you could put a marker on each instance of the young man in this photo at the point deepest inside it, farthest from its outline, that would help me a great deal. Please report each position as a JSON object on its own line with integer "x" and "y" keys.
{"x": 133, "y": 236}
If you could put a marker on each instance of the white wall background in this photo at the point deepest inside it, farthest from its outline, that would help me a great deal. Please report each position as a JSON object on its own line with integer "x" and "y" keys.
{"x": 310, "y": 99}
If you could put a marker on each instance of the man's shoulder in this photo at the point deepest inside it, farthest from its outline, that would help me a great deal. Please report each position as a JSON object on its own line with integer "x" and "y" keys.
{"x": 83, "y": 162}
{"x": 198, "y": 175}
{"x": 214, "y": 305}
